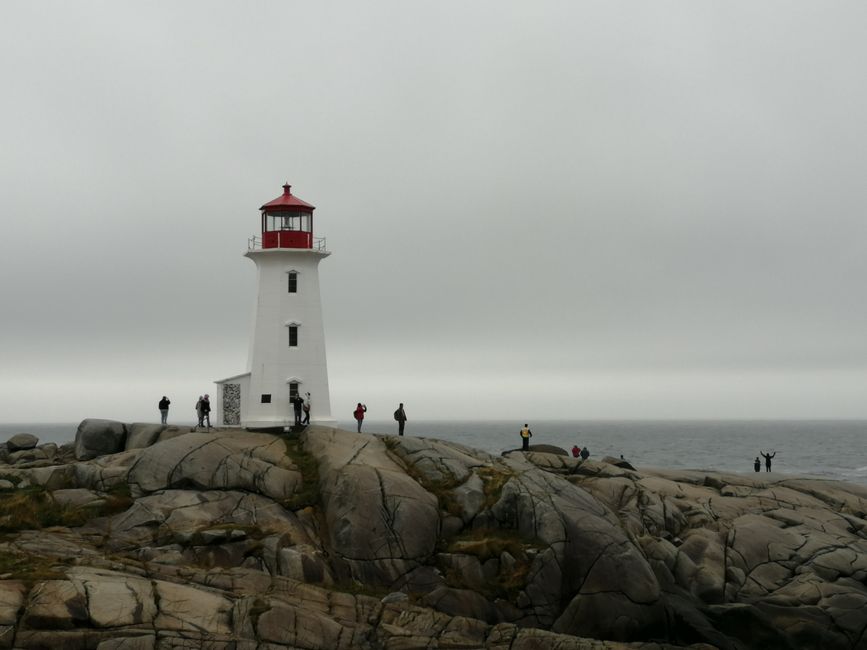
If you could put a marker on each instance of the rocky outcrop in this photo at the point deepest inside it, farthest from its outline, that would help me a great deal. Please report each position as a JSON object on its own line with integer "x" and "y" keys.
{"x": 380, "y": 521}
{"x": 21, "y": 441}
{"x": 341, "y": 540}
{"x": 141, "y": 435}
{"x": 24, "y": 451}
{"x": 98, "y": 438}
{"x": 248, "y": 461}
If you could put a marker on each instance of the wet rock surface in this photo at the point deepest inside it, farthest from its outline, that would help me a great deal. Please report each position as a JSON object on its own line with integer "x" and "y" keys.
{"x": 158, "y": 537}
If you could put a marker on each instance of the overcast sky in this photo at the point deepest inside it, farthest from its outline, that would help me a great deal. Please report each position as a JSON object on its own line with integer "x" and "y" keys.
{"x": 535, "y": 209}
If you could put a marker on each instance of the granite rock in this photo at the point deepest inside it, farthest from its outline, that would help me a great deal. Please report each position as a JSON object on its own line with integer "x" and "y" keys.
{"x": 99, "y": 438}
{"x": 178, "y": 539}
{"x": 21, "y": 441}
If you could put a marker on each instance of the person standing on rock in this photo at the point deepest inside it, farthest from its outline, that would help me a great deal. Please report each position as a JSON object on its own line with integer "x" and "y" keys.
{"x": 525, "y": 434}
{"x": 400, "y": 417}
{"x": 306, "y": 419}
{"x": 199, "y": 413}
{"x": 767, "y": 458}
{"x": 206, "y": 412}
{"x": 297, "y": 406}
{"x": 585, "y": 453}
{"x": 164, "y": 409}
{"x": 576, "y": 451}
{"x": 358, "y": 414}
{"x": 757, "y": 465}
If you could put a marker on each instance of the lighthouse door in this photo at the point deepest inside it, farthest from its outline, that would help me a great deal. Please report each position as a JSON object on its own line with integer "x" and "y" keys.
{"x": 293, "y": 393}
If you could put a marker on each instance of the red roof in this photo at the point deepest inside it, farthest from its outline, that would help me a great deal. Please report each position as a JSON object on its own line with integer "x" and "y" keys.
{"x": 287, "y": 202}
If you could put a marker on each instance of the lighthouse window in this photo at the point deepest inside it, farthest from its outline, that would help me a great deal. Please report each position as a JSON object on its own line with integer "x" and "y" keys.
{"x": 293, "y": 389}
{"x": 293, "y": 282}
{"x": 266, "y": 398}
{"x": 293, "y": 336}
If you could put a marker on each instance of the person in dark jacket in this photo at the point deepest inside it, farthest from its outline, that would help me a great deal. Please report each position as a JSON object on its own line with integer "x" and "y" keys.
{"x": 400, "y": 417}
{"x": 757, "y": 465}
{"x": 164, "y": 409}
{"x": 206, "y": 412}
{"x": 585, "y": 453}
{"x": 767, "y": 458}
{"x": 298, "y": 406}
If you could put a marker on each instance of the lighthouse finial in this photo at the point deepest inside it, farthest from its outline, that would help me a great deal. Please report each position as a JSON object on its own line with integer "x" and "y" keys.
{"x": 287, "y": 189}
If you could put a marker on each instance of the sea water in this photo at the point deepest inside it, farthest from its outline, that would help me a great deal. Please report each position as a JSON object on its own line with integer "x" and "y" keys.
{"x": 822, "y": 448}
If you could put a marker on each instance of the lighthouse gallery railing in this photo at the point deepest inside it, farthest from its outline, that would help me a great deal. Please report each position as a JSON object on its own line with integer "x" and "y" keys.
{"x": 255, "y": 243}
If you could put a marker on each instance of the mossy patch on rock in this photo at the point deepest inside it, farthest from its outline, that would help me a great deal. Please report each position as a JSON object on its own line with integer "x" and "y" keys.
{"x": 510, "y": 554}
{"x": 33, "y": 508}
{"x": 488, "y": 543}
{"x": 29, "y": 568}
{"x": 12, "y": 478}
{"x": 308, "y": 493}
{"x": 494, "y": 478}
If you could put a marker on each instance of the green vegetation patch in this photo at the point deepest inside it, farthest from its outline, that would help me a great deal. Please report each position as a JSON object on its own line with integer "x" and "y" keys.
{"x": 14, "y": 480}
{"x": 493, "y": 480}
{"x": 33, "y": 508}
{"x": 489, "y": 544}
{"x": 28, "y": 568}
{"x": 442, "y": 490}
{"x": 308, "y": 494}
{"x": 449, "y": 505}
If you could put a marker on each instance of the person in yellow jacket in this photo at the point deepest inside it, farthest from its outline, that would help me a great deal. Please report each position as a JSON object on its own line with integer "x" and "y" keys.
{"x": 526, "y": 434}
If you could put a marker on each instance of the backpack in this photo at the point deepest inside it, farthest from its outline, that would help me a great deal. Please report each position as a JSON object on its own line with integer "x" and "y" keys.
{"x": 397, "y": 415}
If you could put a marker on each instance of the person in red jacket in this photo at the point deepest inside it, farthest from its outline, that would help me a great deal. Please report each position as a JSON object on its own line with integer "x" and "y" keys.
{"x": 359, "y": 412}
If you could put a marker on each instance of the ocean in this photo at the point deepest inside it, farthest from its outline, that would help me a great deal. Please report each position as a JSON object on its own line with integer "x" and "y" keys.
{"x": 822, "y": 448}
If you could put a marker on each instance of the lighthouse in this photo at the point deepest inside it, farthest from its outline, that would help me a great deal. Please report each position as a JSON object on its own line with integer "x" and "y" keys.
{"x": 286, "y": 357}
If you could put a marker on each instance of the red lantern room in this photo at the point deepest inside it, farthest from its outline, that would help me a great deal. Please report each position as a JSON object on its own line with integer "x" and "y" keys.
{"x": 287, "y": 222}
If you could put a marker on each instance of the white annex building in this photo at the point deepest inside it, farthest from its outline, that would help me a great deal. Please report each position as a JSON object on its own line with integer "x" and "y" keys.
{"x": 287, "y": 346}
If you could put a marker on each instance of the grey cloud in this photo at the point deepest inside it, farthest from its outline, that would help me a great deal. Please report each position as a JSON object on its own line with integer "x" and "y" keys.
{"x": 620, "y": 198}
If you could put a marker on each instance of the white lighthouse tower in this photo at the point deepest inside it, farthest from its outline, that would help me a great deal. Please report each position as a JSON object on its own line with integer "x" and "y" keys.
{"x": 287, "y": 346}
